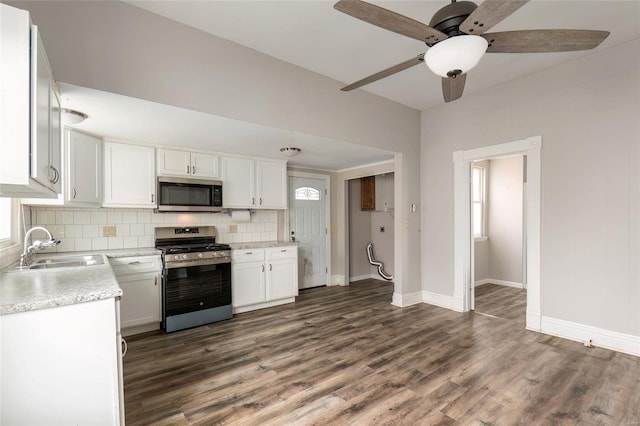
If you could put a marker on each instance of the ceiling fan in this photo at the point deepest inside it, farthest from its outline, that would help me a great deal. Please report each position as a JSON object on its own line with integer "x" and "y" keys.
{"x": 457, "y": 38}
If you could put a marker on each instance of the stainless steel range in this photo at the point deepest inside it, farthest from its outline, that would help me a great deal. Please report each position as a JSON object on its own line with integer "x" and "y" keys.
{"x": 196, "y": 277}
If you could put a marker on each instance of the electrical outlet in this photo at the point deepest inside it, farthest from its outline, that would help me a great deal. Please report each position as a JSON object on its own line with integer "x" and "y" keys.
{"x": 233, "y": 229}
{"x": 108, "y": 231}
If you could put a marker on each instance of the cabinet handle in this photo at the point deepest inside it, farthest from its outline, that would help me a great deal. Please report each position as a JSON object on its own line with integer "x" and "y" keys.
{"x": 155, "y": 281}
{"x": 193, "y": 170}
{"x": 249, "y": 252}
{"x": 125, "y": 347}
{"x": 152, "y": 198}
{"x": 56, "y": 175}
{"x": 253, "y": 201}
{"x": 260, "y": 200}
{"x": 135, "y": 262}
{"x": 262, "y": 268}
{"x": 270, "y": 267}
{"x": 74, "y": 193}
{"x": 283, "y": 251}
{"x": 188, "y": 171}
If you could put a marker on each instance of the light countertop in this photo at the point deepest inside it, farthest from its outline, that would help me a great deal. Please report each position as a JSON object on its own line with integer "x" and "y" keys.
{"x": 28, "y": 290}
{"x": 261, "y": 244}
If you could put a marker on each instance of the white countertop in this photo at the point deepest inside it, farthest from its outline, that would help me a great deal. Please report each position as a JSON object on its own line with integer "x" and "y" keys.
{"x": 261, "y": 244}
{"x": 28, "y": 290}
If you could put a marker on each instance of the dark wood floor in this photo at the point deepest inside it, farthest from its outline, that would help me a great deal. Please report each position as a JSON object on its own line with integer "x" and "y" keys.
{"x": 502, "y": 302}
{"x": 344, "y": 355}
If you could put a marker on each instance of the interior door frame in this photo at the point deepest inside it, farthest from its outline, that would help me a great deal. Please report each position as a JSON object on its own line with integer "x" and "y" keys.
{"x": 287, "y": 225}
{"x": 529, "y": 147}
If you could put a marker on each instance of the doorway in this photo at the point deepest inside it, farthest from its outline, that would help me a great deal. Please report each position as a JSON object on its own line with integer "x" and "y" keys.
{"x": 308, "y": 212}
{"x": 498, "y": 236}
{"x": 463, "y": 273}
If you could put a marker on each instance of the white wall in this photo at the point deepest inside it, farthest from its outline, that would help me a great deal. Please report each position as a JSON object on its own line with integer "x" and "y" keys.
{"x": 587, "y": 113}
{"x": 505, "y": 219}
{"x": 115, "y": 47}
{"x": 80, "y": 229}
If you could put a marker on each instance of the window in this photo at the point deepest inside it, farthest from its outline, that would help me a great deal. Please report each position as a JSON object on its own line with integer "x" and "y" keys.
{"x": 478, "y": 201}
{"x": 5, "y": 221}
{"x": 307, "y": 194}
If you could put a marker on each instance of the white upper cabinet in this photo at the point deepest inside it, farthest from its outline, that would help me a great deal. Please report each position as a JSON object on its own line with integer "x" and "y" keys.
{"x": 238, "y": 182}
{"x": 83, "y": 185}
{"x": 188, "y": 164}
{"x": 205, "y": 165}
{"x": 251, "y": 183}
{"x": 271, "y": 184}
{"x": 30, "y": 120}
{"x": 82, "y": 176}
{"x": 129, "y": 176}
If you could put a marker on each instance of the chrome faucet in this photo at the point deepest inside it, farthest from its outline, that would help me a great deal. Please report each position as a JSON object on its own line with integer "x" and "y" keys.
{"x": 27, "y": 254}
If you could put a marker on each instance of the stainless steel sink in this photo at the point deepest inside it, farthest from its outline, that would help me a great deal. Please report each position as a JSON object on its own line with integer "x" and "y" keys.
{"x": 65, "y": 262}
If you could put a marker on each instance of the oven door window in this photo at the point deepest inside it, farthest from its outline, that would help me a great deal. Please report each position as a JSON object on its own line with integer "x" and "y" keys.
{"x": 177, "y": 194}
{"x": 195, "y": 288}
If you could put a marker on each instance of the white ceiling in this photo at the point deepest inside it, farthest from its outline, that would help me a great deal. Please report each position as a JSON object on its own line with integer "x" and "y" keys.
{"x": 312, "y": 35}
{"x": 122, "y": 117}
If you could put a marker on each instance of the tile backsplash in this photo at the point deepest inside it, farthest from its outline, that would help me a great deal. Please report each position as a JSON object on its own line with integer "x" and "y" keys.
{"x": 83, "y": 229}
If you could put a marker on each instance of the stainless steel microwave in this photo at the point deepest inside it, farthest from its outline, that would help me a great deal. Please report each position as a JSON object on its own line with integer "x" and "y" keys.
{"x": 188, "y": 195}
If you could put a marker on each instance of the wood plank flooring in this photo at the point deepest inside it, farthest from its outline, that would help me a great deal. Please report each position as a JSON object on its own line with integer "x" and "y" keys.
{"x": 346, "y": 356}
{"x": 502, "y": 302}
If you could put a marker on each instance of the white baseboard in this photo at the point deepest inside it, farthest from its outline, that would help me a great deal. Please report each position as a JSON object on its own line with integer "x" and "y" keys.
{"x": 337, "y": 280}
{"x": 533, "y": 321}
{"x": 442, "y": 300}
{"x": 366, "y": 277}
{"x": 403, "y": 300}
{"x": 599, "y": 337}
{"x": 498, "y": 282}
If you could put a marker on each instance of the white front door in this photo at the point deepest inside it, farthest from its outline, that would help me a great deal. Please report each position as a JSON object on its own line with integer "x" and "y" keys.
{"x": 308, "y": 226}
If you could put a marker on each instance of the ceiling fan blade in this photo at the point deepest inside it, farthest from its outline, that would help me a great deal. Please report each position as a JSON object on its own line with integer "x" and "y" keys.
{"x": 488, "y": 14}
{"x": 539, "y": 41}
{"x": 452, "y": 88}
{"x": 385, "y": 73}
{"x": 389, "y": 20}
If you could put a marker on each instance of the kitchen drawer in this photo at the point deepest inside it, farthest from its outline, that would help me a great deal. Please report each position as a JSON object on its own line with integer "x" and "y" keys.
{"x": 247, "y": 255}
{"x": 135, "y": 264}
{"x": 287, "y": 252}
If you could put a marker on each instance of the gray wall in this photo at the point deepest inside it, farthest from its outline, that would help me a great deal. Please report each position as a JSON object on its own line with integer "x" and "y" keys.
{"x": 587, "y": 113}
{"x": 359, "y": 233}
{"x": 505, "y": 219}
{"x": 115, "y": 47}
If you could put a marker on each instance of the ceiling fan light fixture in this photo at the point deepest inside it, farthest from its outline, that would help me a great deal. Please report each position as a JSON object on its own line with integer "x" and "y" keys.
{"x": 290, "y": 151}
{"x": 455, "y": 55}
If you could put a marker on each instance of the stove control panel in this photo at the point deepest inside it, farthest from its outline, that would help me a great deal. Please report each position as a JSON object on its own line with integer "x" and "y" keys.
{"x": 187, "y": 257}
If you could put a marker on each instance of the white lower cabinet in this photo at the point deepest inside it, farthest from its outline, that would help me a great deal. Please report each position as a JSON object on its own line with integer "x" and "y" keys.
{"x": 61, "y": 366}
{"x": 263, "y": 277}
{"x": 139, "y": 278}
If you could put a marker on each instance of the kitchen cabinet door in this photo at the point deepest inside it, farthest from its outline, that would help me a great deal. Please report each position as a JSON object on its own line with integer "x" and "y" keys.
{"x": 282, "y": 278}
{"x": 140, "y": 302}
{"x": 271, "y": 184}
{"x": 84, "y": 169}
{"x": 129, "y": 176}
{"x": 367, "y": 193}
{"x": 238, "y": 182}
{"x": 205, "y": 165}
{"x": 248, "y": 283}
{"x": 173, "y": 163}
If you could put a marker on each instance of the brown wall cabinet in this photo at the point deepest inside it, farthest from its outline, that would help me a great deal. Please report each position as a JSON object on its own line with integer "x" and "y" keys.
{"x": 368, "y": 193}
